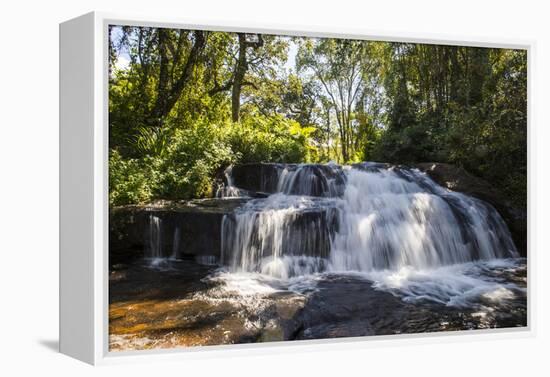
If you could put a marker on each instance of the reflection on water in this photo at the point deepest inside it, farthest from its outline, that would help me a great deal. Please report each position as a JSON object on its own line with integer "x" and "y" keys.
{"x": 333, "y": 252}
{"x": 172, "y": 303}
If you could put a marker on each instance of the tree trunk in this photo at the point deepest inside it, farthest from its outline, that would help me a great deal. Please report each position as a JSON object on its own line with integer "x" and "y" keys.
{"x": 240, "y": 71}
{"x": 168, "y": 95}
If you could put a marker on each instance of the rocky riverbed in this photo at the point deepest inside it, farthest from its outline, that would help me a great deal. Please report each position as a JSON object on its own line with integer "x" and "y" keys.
{"x": 180, "y": 303}
{"x": 311, "y": 251}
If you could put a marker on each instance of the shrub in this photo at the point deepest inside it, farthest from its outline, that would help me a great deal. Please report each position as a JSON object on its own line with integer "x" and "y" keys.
{"x": 181, "y": 161}
{"x": 270, "y": 139}
{"x": 193, "y": 156}
{"x": 130, "y": 180}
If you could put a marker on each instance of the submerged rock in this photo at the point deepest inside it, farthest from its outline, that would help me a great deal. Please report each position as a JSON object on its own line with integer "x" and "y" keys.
{"x": 182, "y": 304}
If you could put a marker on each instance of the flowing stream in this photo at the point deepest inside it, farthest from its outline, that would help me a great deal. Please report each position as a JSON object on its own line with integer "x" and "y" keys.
{"x": 393, "y": 226}
{"x": 323, "y": 251}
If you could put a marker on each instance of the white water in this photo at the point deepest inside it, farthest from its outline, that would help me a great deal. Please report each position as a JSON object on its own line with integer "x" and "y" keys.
{"x": 393, "y": 227}
{"x": 275, "y": 235}
{"x": 310, "y": 180}
{"x": 387, "y": 222}
{"x": 485, "y": 285}
{"x": 384, "y": 220}
{"x": 154, "y": 245}
{"x": 396, "y": 228}
{"x": 461, "y": 285}
{"x": 155, "y": 250}
{"x": 228, "y": 189}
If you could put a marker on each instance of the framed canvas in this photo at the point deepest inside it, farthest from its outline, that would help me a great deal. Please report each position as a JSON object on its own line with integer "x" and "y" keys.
{"x": 250, "y": 188}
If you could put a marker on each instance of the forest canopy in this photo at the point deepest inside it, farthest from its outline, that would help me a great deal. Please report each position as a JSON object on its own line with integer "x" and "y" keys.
{"x": 185, "y": 104}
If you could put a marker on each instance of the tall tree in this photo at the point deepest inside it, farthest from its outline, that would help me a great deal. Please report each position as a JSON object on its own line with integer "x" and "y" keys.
{"x": 175, "y": 69}
{"x": 336, "y": 64}
{"x": 165, "y": 59}
{"x": 241, "y": 66}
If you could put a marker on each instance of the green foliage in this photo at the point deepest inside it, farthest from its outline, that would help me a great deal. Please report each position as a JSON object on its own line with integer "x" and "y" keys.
{"x": 183, "y": 169}
{"x": 130, "y": 180}
{"x": 270, "y": 139}
{"x": 182, "y": 164}
{"x": 192, "y": 102}
{"x": 461, "y": 105}
{"x": 193, "y": 155}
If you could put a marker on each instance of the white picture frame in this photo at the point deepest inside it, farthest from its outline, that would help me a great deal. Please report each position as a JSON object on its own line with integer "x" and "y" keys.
{"x": 84, "y": 189}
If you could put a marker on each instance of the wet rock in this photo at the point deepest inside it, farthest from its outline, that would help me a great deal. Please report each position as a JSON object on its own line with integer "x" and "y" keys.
{"x": 371, "y": 166}
{"x": 458, "y": 179}
{"x": 259, "y": 177}
{"x": 308, "y": 179}
{"x": 181, "y": 303}
{"x": 188, "y": 229}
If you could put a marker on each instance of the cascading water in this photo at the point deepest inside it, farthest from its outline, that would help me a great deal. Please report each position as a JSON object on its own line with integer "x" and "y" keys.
{"x": 283, "y": 235}
{"x": 394, "y": 226}
{"x": 361, "y": 219}
{"x": 390, "y": 224}
{"x": 153, "y": 243}
{"x": 311, "y": 180}
{"x": 323, "y": 251}
{"x": 390, "y": 220}
{"x": 228, "y": 188}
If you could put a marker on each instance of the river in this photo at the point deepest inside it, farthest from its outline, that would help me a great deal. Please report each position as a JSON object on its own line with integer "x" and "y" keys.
{"x": 325, "y": 251}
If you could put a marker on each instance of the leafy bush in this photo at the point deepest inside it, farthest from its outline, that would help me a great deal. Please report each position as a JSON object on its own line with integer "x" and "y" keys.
{"x": 270, "y": 139}
{"x": 130, "y": 180}
{"x": 181, "y": 161}
{"x": 192, "y": 157}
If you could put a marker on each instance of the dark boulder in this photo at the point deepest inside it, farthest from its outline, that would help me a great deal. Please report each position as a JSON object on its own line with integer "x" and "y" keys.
{"x": 321, "y": 180}
{"x": 257, "y": 177}
{"x": 188, "y": 229}
{"x": 458, "y": 179}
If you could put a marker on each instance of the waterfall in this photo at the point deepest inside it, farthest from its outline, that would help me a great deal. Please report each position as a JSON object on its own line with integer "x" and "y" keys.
{"x": 312, "y": 180}
{"x": 153, "y": 249}
{"x": 176, "y": 243}
{"x": 363, "y": 218}
{"x": 388, "y": 220}
{"x": 228, "y": 188}
{"x": 283, "y": 235}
